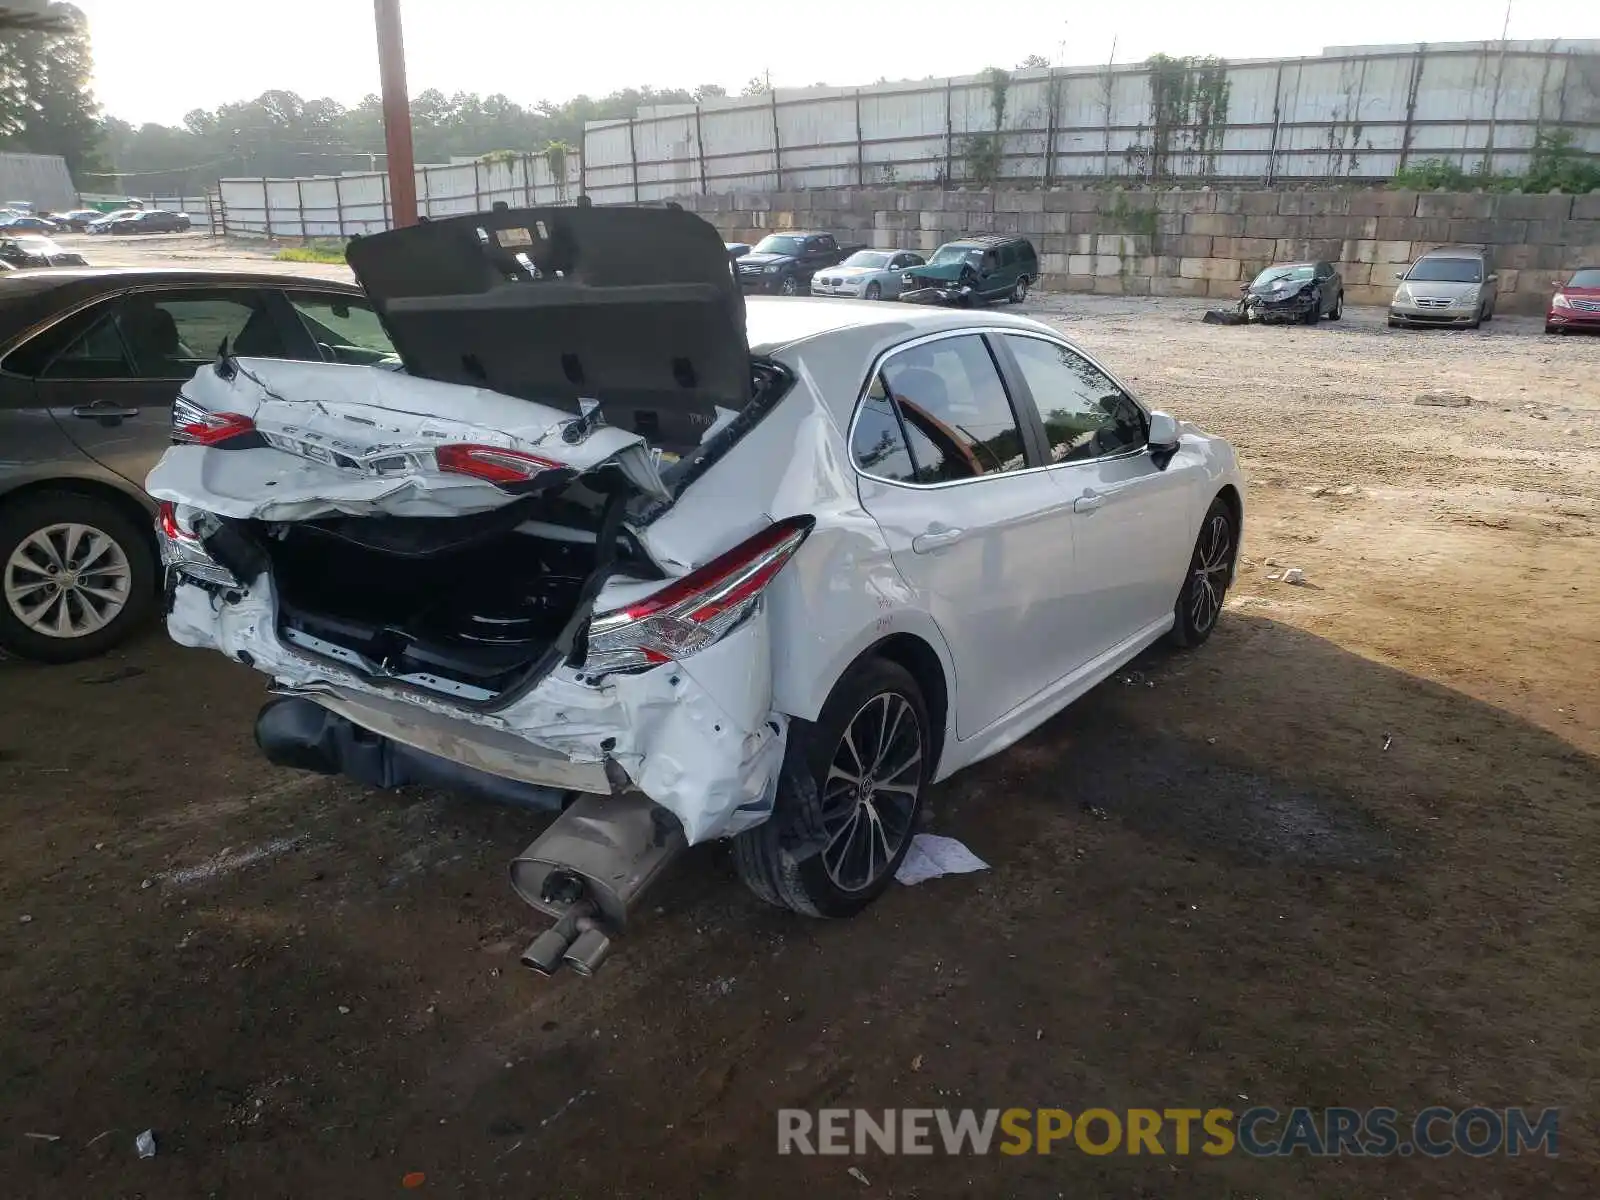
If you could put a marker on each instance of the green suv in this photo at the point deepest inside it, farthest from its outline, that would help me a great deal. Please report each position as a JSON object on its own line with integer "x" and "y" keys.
{"x": 974, "y": 270}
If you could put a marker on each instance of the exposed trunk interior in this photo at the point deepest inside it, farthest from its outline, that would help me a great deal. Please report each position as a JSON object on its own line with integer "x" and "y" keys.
{"x": 464, "y": 606}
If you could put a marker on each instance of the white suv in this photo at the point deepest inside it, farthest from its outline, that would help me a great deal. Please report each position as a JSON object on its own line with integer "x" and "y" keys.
{"x": 616, "y": 546}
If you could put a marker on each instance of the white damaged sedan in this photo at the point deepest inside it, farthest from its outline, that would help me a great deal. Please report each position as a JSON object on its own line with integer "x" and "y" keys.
{"x": 616, "y": 546}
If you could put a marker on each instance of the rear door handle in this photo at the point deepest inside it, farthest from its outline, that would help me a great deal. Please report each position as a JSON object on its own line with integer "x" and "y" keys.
{"x": 104, "y": 410}
{"x": 1087, "y": 502}
{"x": 935, "y": 539}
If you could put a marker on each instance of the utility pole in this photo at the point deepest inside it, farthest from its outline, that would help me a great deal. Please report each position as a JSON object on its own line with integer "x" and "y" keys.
{"x": 396, "y": 113}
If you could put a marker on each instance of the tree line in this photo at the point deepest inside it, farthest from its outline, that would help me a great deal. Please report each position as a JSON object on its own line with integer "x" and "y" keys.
{"x": 47, "y": 106}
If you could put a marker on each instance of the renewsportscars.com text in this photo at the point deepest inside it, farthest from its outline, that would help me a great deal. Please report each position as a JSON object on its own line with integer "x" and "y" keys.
{"x": 1259, "y": 1132}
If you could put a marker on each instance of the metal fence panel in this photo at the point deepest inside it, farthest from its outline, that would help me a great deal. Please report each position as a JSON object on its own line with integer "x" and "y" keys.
{"x": 1355, "y": 113}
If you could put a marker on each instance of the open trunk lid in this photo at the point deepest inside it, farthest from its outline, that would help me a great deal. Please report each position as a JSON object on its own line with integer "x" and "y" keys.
{"x": 632, "y": 307}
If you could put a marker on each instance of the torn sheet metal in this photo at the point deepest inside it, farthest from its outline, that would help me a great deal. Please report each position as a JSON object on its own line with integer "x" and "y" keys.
{"x": 361, "y": 442}
{"x": 699, "y": 739}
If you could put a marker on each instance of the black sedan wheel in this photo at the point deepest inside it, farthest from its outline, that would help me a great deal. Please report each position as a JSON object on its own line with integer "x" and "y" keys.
{"x": 1337, "y": 311}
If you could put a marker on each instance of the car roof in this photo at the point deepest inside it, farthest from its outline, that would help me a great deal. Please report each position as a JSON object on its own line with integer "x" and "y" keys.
{"x": 35, "y": 294}
{"x": 986, "y": 241}
{"x": 1455, "y": 252}
{"x": 775, "y": 322}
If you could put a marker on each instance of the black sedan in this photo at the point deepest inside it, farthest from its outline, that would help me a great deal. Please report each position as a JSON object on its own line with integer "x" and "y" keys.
{"x": 1302, "y": 292}
{"x": 90, "y": 363}
{"x": 78, "y": 220}
{"x": 151, "y": 220}
{"x": 27, "y": 223}
{"x": 33, "y": 251}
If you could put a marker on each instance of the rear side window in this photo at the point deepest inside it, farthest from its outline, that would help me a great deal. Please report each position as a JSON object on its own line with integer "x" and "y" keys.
{"x": 954, "y": 419}
{"x": 84, "y": 346}
{"x": 1008, "y": 256}
{"x": 879, "y": 444}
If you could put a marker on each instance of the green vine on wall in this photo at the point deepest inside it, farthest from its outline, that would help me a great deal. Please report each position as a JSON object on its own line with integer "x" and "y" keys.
{"x": 985, "y": 152}
{"x": 1188, "y": 113}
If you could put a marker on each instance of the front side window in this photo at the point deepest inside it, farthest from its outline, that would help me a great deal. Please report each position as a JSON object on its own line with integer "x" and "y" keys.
{"x": 1085, "y": 415}
{"x": 345, "y": 330}
{"x": 955, "y": 419}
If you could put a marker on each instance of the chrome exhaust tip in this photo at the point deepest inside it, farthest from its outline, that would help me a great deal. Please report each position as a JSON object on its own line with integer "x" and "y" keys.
{"x": 548, "y": 951}
{"x": 589, "y": 950}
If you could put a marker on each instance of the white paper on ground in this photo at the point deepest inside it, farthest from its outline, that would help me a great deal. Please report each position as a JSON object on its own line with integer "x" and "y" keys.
{"x": 931, "y": 856}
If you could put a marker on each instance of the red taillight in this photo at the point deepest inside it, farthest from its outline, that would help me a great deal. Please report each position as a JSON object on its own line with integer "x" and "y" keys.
{"x": 695, "y": 611}
{"x": 193, "y": 425}
{"x": 167, "y": 523}
{"x": 491, "y": 463}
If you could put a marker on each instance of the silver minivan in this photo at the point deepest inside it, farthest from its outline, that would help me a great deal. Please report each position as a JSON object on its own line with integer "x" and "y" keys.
{"x": 1453, "y": 285}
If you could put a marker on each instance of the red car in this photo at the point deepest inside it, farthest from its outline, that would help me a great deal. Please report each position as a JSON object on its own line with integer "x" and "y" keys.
{"x": 1576, "y": 303}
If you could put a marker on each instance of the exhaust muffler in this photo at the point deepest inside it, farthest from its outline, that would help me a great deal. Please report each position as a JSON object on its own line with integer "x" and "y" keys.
{"x": 587, "y": 870}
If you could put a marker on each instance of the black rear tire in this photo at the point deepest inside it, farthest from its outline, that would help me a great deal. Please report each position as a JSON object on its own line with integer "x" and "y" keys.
{"x": 25, "y": 517}
{"x": 783, "y": 860}
{"x": 1205, "y": 586}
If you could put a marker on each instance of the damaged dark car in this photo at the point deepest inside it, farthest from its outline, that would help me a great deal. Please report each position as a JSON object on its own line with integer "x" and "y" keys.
{"x": 1301, "y": 293}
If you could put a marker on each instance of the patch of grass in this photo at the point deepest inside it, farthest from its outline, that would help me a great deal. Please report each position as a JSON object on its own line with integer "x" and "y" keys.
{"x": 317, "y": 252}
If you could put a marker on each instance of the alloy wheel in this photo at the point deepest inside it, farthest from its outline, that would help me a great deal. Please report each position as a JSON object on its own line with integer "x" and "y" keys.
{"x": 870, "y": 794}
{"x": 790, "y": 286}
{"x": 67, "y": 581}
{"x": 1213, "y": 560}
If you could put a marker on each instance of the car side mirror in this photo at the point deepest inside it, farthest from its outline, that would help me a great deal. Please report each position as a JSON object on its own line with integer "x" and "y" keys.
{"x": 1163, "y": 437}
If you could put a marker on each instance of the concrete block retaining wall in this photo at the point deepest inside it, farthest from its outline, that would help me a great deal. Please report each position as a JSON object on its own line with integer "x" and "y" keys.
{"x": 1199, "y": 243}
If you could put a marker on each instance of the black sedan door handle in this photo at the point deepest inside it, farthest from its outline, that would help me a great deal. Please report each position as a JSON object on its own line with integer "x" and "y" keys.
{"x": 104, "y": 410}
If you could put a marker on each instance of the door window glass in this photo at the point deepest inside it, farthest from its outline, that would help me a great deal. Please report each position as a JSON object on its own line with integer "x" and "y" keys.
{"x": 878, "y": 444}
{"x": 954, "y": 410}
{"x": 172, "y": 335}
{"x": 84, "y": 346}
{"x": 1085, "y": 415}
{"x": 345, "y": 330}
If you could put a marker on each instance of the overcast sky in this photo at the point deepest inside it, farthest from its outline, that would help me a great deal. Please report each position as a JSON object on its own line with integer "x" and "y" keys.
{"x": 155, "y": 63}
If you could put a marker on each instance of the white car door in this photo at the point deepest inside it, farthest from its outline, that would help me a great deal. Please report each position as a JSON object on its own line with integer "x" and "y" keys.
{"x": 1131, "y": 510}
{"x": 945, "y": 473}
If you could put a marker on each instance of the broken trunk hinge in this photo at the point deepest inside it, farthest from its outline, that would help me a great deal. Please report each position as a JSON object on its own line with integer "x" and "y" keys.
{"x": 589, "y": 418}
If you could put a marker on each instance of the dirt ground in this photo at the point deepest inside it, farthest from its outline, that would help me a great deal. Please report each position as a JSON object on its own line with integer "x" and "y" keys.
{"x": 1345, "y": 854}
